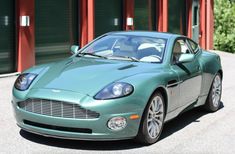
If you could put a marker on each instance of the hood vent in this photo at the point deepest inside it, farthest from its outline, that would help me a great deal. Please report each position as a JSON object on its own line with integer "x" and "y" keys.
{"x": 127, "y": 67}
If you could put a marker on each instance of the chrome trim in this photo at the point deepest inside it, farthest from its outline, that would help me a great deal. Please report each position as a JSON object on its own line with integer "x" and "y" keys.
{"x": 174, "y": 84}
{"x": 55, "y": 108}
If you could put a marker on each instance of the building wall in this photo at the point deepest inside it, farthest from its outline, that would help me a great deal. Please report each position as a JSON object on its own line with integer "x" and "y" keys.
{"x": 26, "y": 35}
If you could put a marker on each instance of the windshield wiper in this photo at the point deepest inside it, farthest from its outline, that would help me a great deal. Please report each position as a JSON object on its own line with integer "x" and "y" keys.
{"x": 128, "y": 57}
{"x": 91, "y": 54}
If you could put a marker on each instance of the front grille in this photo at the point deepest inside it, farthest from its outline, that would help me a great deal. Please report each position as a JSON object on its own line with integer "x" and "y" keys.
{"x": 60, "y": 128}
{"x": 57, "y": 109}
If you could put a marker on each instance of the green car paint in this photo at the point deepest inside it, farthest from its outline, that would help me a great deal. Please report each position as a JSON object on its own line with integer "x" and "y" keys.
{"x": 78, "y": 79}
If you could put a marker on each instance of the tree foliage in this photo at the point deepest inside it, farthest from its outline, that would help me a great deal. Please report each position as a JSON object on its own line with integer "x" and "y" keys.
{"x": 224, "y": 36}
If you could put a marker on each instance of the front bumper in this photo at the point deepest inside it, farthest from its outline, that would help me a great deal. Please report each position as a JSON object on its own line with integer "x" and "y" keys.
{"x": 107, "y": 109}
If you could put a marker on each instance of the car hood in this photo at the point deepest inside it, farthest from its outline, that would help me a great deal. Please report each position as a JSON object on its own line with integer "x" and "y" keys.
{"x": 88, "y": 75}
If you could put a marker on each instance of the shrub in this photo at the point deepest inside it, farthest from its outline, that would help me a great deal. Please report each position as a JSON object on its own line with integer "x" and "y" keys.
{"x": 224, "y": 36}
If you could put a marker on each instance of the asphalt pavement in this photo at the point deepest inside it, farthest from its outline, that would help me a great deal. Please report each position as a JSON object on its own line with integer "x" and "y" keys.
{"x": 195, "y": 131}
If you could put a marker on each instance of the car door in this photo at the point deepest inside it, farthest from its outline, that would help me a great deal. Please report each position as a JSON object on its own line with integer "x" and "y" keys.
{"x": 189, "y": 73}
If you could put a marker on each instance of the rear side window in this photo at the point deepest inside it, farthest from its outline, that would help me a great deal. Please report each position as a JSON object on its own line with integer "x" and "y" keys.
{"x": 180, "y": 47}
{"x": 193, "y": 45}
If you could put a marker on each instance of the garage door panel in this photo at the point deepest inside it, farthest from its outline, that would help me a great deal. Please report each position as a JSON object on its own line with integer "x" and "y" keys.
{"x": 177, "y": 19}
{"x": 108, "y": 16}
{"x": 145, "y": 15}
{"x": 56, "y": 29}
{"x": 7, "y": 36}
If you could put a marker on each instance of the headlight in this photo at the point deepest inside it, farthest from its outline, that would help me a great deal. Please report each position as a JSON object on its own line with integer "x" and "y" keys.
{"x": 115, "y": 90}
{"x": 24, "y": 81}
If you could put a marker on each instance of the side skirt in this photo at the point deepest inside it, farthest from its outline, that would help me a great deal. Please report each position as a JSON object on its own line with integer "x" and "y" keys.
{"x": 171, "y": 115}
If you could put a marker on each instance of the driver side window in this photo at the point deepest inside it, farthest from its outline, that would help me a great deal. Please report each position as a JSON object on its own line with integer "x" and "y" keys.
{"x": 180, "y": 47}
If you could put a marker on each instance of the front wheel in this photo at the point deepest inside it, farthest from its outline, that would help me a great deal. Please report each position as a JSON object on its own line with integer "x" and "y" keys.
{"x": 152, "y": 120}
{"x": 213, "y": 101}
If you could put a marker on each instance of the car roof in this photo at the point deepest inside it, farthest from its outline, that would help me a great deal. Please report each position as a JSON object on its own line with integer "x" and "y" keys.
{"x": 146, "y": 34}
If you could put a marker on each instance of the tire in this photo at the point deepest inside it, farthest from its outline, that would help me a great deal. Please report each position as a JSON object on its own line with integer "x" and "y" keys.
{"x": 213, "y": 101}
{"x": 151, "y": 127}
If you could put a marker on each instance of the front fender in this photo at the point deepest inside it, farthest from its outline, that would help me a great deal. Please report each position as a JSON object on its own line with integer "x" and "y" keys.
{"x": 146, "y": 84}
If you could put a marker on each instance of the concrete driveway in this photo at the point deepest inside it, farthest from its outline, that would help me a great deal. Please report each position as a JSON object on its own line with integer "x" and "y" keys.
{"x": 193, "y": 132}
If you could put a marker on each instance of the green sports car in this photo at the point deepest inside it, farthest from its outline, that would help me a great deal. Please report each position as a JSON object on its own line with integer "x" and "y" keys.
{"x": 123, "y": 85}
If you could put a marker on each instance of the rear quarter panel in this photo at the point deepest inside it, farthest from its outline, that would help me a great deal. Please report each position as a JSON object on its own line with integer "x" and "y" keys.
{"x": 210, "y": 65}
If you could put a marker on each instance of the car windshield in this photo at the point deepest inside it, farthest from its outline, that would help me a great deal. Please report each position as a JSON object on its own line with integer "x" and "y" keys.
{"x": 127, "y": 47}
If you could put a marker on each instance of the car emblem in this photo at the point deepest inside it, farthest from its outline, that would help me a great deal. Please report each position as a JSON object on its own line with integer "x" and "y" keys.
{"x": 55, "y": 90}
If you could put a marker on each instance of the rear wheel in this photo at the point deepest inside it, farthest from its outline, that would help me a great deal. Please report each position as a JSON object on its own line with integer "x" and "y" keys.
{"x": 213, "y": 101}
{"x": 152, "y": 120}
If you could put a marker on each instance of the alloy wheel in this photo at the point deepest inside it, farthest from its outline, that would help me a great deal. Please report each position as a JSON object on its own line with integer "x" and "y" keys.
{"x": 216, "y": 91}
{"x": 155, "y": 117}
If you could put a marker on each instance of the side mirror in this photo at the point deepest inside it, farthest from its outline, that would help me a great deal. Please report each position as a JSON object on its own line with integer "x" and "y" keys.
{"x": 184, "y": 58}
{"x": 74, "y": 49}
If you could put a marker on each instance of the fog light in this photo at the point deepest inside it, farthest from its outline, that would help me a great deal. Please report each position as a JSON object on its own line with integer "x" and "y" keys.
{"x": 117, "y": 123}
